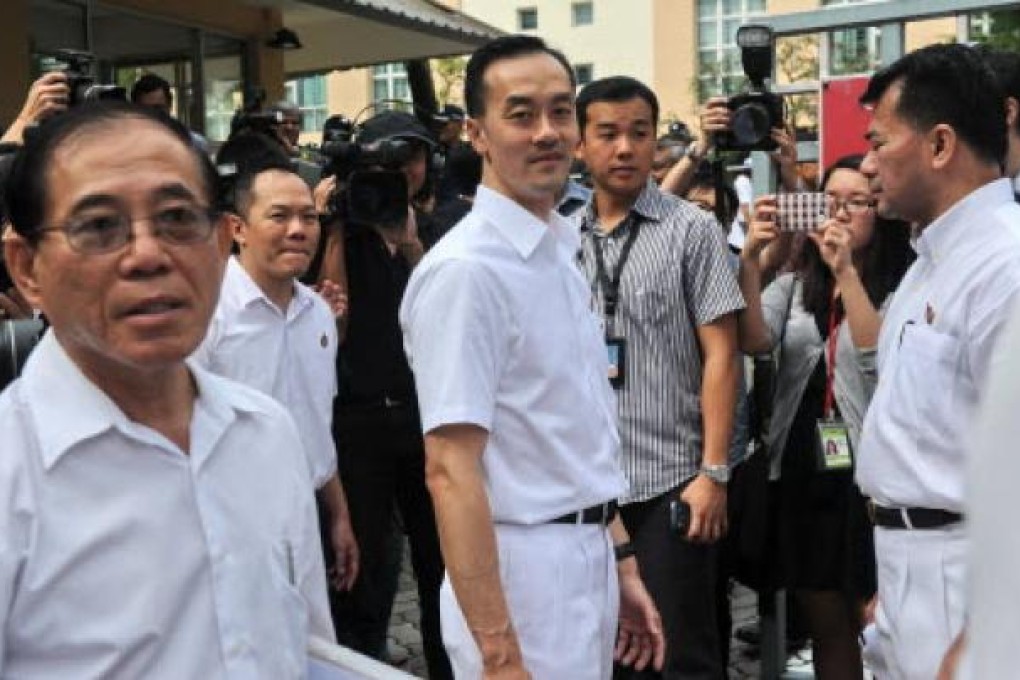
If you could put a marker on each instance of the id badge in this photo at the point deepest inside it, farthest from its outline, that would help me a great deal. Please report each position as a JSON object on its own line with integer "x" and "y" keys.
{"x": 616, "y": 349}
{"x": 834, "y": 452}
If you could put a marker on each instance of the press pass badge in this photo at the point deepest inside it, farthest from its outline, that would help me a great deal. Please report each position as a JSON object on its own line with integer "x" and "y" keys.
{"x": 616, "y": 349}
{"x": 834, "y": 452}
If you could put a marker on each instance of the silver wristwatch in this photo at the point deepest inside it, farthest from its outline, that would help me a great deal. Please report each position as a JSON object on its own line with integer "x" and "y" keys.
{"x": 720, "y": 474}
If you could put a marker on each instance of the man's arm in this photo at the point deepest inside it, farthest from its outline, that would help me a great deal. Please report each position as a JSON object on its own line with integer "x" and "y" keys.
{"x": 345, "y": 546}
{"x": 639, "y": 640}
{"x": 453, "y": 474}
{"x": 720, "y": 379}
{"x": 47, "y": 96}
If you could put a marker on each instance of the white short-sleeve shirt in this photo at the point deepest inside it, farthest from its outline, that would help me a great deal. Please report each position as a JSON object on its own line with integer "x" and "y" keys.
{"x": 122, "y": 556}
{"x": 289, "y": 355}
{"x": 500, "y": 333}
{"x": 935, "y": 352}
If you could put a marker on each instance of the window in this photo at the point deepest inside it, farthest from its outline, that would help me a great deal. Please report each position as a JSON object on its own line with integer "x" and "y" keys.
{"x": 584, "y": 73}
{"x": 718, "y": 54}
{"x": 309, "y": 93}
{"x": 527, "y": 19}
{"x": 582, "y": 13}
{"x": 852, "y": 50}
{"x": 389, "y": 81}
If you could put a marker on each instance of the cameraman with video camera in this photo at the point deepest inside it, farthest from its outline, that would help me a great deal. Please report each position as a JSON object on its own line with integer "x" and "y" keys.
{"x": 372, "y": 248}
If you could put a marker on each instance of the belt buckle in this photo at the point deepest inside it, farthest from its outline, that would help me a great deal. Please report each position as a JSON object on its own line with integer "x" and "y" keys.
{"x": 389, "y": 403}
{"x": 870, "y": 506}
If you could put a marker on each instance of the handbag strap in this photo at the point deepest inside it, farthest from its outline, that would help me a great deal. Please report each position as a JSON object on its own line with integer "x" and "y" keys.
{"x": 782, "y": 336}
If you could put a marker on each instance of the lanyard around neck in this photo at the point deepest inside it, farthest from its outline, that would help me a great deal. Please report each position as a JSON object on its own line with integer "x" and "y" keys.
{"x": 610, "y": 285}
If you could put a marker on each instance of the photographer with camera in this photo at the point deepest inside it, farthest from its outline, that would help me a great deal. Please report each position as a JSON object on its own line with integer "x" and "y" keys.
{"x": 47, "y": 97}
{"x": 372, "y": 249}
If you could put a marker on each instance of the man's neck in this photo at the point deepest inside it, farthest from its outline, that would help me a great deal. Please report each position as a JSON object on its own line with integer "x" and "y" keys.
{"x": 539, "y": 205}
{"x": 161, "y": 398}
{"x": 279, "y": 291}
{"x": 612, "y": 209}
{"x": 954, "y": 192}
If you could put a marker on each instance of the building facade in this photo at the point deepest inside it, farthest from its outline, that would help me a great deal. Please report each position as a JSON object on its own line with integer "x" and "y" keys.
{"x": 684, "y": 49}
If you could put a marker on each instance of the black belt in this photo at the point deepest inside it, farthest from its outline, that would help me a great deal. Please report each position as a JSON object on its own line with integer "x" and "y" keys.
{"x": 603, "y": 513}
{"x": 911, "y": 518}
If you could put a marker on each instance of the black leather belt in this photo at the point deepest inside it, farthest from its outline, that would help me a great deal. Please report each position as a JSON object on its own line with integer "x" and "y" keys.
{"x": 602, "y": 513}
{"x": 379, "y": 403}
{"x": 911, "y": 518}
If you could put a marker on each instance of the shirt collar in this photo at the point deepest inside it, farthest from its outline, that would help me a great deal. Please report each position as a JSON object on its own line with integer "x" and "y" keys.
{"x": 650, "y": 206}
{"x": 960, "y": 222}
{"x": 520, "y": 227}
{"x": 239, "y": 284}
{"x": 66, "y": 408}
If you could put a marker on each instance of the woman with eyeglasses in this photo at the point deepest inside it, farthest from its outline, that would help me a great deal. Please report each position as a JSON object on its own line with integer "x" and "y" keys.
{"x": 822, "y": 322}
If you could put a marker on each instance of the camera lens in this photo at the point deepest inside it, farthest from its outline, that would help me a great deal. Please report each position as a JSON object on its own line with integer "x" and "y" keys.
{"x": 750, "y": 124}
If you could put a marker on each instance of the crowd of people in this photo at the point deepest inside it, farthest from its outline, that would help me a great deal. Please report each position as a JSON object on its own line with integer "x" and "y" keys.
{"x": 261, "y": 373}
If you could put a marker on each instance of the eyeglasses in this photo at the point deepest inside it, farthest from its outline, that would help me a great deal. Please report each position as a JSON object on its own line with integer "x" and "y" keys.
{"x": 98, "y": 233}
{"x": 854, "y": 206}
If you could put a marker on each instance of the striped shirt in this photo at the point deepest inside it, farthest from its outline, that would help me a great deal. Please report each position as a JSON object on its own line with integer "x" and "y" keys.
{"x": 675, "y": 279}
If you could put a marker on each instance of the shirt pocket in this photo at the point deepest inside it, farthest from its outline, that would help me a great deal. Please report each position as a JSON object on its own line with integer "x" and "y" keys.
{"x": 650, "y": 304}
{"x": 930, "y": 378}
{"x": 288, "y": 608}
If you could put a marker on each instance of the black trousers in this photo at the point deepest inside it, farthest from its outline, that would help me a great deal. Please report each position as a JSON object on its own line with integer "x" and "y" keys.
{"x": 382, "y": 466}
{"x": 681, "y": 578}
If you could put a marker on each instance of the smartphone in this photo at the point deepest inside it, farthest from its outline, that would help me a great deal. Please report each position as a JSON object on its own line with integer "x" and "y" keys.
{"x": 679, "y": 517}
{"x": 801, "y": 211}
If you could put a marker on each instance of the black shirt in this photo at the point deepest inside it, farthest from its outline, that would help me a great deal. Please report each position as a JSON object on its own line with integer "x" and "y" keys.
{"x": 371, "y": 365}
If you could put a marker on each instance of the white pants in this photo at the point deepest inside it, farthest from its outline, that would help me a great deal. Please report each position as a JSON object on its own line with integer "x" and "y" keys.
{"x": 560, "y": 586}
{"x": 921, "y": 589}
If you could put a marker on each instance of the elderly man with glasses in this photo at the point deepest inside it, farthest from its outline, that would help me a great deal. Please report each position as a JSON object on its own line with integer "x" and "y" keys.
{"x": 149, "y": 525}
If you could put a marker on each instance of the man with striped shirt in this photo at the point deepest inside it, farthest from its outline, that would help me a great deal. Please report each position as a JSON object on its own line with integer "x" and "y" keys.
{"x": 658, "y": 271}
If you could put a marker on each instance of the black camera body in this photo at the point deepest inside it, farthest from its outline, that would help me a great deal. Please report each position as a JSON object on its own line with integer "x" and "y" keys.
{"x": 371, "y": 186}
{"x": 17, "y": 339}
{"x": 758, "y": 111}
{"x": 261, "y": 122}
{"x": 77, "y": 66}
{"x": 754, "y": 115}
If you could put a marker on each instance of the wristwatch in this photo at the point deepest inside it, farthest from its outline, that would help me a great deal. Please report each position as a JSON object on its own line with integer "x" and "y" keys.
{"x": 720, "y": 474}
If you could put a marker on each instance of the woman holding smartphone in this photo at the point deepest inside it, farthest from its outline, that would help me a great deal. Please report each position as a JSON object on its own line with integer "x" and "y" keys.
{"x": 824, "y": 320}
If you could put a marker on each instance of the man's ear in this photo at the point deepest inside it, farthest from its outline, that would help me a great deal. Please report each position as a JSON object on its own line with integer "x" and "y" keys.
{"x": 1012, "y": 112}
{"x": 19, "y": 258}
{"x": 476, "y": 136}
{"x": 231, "y": 229}
{"x": 944, "y": 142}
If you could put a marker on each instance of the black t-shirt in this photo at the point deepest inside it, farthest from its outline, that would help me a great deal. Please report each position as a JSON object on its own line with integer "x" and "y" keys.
{"x": 371, "y": 364}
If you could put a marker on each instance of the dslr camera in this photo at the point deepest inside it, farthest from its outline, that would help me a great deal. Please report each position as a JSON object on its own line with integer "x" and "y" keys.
{"x": 755, "y": 112}
{"x": 78, "y": 67}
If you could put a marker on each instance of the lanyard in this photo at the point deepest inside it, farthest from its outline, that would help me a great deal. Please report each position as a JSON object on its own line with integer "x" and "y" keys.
{"x": 611, "y": 286}
{"x": 830, "y": 367}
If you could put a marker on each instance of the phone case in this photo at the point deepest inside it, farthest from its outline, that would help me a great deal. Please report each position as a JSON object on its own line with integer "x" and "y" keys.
{"x": 800, "y": 211}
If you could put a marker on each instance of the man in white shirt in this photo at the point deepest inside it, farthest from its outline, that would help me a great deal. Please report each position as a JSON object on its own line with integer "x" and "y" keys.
{"x": 272, "y": 333}
{"x": 522, "y": 452}
{"x": 938, "y": 141}
{"x": 149, "y": 526}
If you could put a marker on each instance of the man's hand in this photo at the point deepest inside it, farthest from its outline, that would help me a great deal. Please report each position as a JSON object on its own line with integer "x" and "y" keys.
{"x": 639, "y": 641}
{"x": 334, "y": 296}
{"x": 707, "y": 500}
{"x": 323, "y": 190}
{"x": 345, "y": 549}
{"x": 951, "y": 661}
{"x": 48, "y": 95}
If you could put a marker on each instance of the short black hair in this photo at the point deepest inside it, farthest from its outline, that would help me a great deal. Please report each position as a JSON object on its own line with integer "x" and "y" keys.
{"x": 150, "y": 82}
{"x": 240, "y": 161}
{"x": 704, "y": 177}
{"x": 615, "y": 89}
{"x": 1006, "y": 67}
{"x": 26, "y": 193}
{"x": 947, "y": 84}
{"x": 506, "y": 47}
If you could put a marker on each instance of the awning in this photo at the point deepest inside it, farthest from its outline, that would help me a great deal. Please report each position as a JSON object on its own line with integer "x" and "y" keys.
{"x": 350, "y": 33}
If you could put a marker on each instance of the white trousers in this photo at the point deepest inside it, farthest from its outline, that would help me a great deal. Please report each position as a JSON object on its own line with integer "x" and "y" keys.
{"x": 921, "y": 592}
{"x": 561, "y": 588}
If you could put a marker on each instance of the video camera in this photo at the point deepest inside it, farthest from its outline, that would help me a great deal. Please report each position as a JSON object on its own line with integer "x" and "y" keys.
{"x": 77, "y": 66}
{"x": 756, "y": 112}
{"x": 371, "y": 187}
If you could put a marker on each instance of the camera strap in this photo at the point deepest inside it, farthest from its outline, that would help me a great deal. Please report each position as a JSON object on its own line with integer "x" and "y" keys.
{"x": 610, "y": 285}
